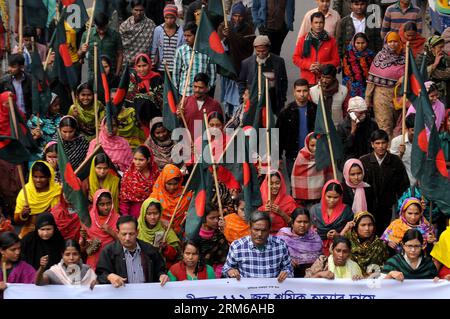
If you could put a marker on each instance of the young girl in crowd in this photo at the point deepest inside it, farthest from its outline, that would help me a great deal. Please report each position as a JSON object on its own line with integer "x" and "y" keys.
{"x": 152, "y": 231}
{"x": 84, "y": 110}
{"x": 102, "y": 176}
{"x": 356, "y": 63}
{"x": 137, "y": 182}
{"x": 69, "y": 271}
{"x": 75, "y": 145}
{"x": 103, "y": 227}
{"x": 331, "y": 215}
{"x": 167, "y": 190}
{"x": 303, "y": 242}
{"x": 111, "y": 77}
{"x": 192, "y": 266}
{"x": 236, "y": 225}
{"x": 160, "y": 143}
{"x": 213, "y": 244}
{"x": 51, "y": 156}
{"x": 357, "y": 193}
{"x": 116, "y": 147}
{"x": 42, "y": 194}
{"x": 66, "y": 219}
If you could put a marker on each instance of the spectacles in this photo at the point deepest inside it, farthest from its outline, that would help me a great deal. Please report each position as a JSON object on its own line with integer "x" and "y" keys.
{"x": 413, "y": 247}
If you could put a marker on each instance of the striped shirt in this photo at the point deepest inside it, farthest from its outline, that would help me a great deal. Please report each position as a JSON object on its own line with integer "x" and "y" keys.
{"x": 253, "y": 262}
{"x": 395, "y": 17}
{"x": 135, "y": 272}
{"x": 169, "y": 49}
{"x": 202, "y": 64}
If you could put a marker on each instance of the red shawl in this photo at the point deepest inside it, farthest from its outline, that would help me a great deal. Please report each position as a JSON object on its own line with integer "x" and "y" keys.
{"x": 179, "y": 271}
{"x": 145, "y": 80}
{"x": 337, "y": 211}
{"x": 416, "y": 45}
{"x": 67, "y": 223}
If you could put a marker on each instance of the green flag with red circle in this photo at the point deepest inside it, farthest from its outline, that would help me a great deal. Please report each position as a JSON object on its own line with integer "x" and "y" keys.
{"x": 170, "y": 102}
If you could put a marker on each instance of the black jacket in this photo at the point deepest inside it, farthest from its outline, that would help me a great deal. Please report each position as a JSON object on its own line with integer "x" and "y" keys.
{"x": 288, "y": 123}
{"x": 6, "y": 84}
{"x": 112, "y": 261}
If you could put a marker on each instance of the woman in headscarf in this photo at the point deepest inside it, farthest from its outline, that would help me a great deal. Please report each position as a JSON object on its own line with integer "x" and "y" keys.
{"x": 307, "y": 181}
{"x": 368, "y": 250}
{"x": 437, "y": 62}
{"x": 355, "y": 65}
{"x": 303, "y": 242}
{"x": 42, "y": 194}
{"x": 411, "y": 217}
{"x": 331, "y": 215}
{"x": 111, "y": 77}
{"x": 152, "y": 230}
{"x": 103, "y": 227}
{"x": 137, "y": 182}
{"x": 145, "y": 92}
{"x": 45, "y": 240}
{"x": 160, "y": 143}
{"x": 441, "y": 254}
{"x": 66, "y": 219}
{"x": 385, "y": 72}
{"x": 167, "y": 190}
{"x": 129, "y": 127}
{"x": 357, "y": 193}
{"x": 281, "y": 206}
{"x": 75, "y": 145}
{"x": 236, "y": 224}
{"x": 116, "y": 147}
{"x": 444, "y": 136}
{"x": 408, "y": 33}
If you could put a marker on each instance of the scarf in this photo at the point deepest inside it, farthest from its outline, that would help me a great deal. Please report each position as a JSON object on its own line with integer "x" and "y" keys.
{"x": 136, "y": 37}
{"x": 73, "y": 274}
{"x": 116, "y": 147}
{"x": 302, "y": 249}
{"x": 76, "y": 150}
{"x": 235, "y": 227}
{"x": 426, "y": 269}
{"x": 129, "y": 127}
{"x": 179, "y": 271}
{"x": 359, "y": 201}
{"x": 21, "y": 273}
{"x": 86, "y": 117}
{"x": 370, "y": 251}
{"x": 344, "y": 272}
{"x": 416, "y": 45}
{"x": 315, "y": 40}
{"x": 441, "y": 249}
{"x": 110, "y": 183}
{"x": 162, "y": 151}
{"x": 39, "y": 202}
{"x": 66, "y": 219}
{"x": 144, "y": 80}
{"x": 135, "y": 187}
{"x": 169, "y": 201}
{"x": 150, "y": 234}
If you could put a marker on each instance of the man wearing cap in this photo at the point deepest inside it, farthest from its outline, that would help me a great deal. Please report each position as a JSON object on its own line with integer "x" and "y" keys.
{"x": 356, "y": 128}
{"x": 273, "y": 67}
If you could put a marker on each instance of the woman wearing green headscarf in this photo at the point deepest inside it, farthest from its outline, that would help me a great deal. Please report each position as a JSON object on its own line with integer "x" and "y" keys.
{"x": 151, "y": 230}
{"x": 438, "y": 65}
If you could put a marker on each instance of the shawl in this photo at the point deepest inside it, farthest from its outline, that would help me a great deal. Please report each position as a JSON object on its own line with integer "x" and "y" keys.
{"x": 215, "y": 248}
{"x": 136, "y": 37}
{"x": 76, "y": 150}
{"x": 235, "y": 227}
{"x": 179, "y": 271}
{"x": 441, "y": 249}
{"x": 73, "y": 274}
{"x": 162, "y": 151}
{"x": 370, "y": 251}
{"x": 426, "y": 269}
{"x": 86, "y": 117}
{"x": 34, "y": 247}
{"x": 110, "y": 183}
{"x": 359, "y": 201}
{"x": 95, "y": 231}
{"x": 287, "y": 203}
{"x": 344, "y": 272}
{"x": 169, "y": 201}
{"x": 302, "y": 249}
{"x": 150, "y": 234}
{"x": 129, "y": 127}
{"x": 387, "y": 67}
{"x": 39, "y": 202}
{"x": 66, "y": 219}
{"x": 145, "y": 79}
{"x": 135, "y": 187}
{"x": 116, "y": 147}
{"x": 315, "y": 40}
{"x": 398, "y": 227}
{"x": 416, "y": 45}
{"x": 21, "y": 273}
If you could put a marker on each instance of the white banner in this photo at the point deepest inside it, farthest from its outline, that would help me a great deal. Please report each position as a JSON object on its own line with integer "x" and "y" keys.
{"x": 244, "y": 289}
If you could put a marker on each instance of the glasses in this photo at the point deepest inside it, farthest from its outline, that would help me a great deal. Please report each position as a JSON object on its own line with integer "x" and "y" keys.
{"x": 411, "y": 247}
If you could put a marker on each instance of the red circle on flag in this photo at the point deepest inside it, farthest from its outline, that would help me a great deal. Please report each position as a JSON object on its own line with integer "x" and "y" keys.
{"x": 440, "y": 163}
{"x": 65, "y": 55}
{"x": 423, "y": 141}
{"x": 71, "y": 178}
{"x": 246, "y": 173}
{"x": 200, "y": 203}
{"x": 171, "y": 101}
{"x": 215, "y": 43}
{"x": 247, "y": 106}
{"x": 67, "y": 3}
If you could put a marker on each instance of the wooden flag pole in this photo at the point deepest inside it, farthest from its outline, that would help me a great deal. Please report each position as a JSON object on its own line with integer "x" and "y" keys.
{"x": 16, "y": 130}
{"x": 405, "y": 86}
{"x": 87, "y": 159}
{"x": 269, "y": 184}
{"x": 5, "y": 277}
{"x": 333, "y": 164}
{"x": 216, "y": 181}
{"x": 96, "y": 91}
{"x": 259, "y": 81}
{"x": 225, "y": 21}
{"x": 47, "y": 59}
{"x": 20, "y": 26}
{"x": 91, "y": 21}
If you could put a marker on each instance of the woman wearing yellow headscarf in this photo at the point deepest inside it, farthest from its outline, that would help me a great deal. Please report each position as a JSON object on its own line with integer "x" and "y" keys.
{"x": 42, "y": 193}
{"x": 441, "y": 254}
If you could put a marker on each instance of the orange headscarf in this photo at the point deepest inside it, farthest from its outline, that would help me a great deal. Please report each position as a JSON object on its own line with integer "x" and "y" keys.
{"x": 416, "y": 45}
{"x": 393, "y": 36}
{"x": 169, "y": 201}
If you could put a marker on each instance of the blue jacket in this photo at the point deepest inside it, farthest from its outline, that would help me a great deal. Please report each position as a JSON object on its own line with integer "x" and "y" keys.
{"x": 158, "y": 43}
{"x": 259, "y": 13}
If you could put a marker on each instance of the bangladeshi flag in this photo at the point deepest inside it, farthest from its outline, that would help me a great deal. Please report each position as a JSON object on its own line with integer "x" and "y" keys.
{"x": 41, "y": 94}
{"x": 215, "y": 11}
{"x": 13, "y": 151}
{"x": 72, "y": 186}
{"x": 171, "y": 100}
{"x": 208, "y": 42}
{"x": 122, "y": 90}
{"x": 77, "y": 15}
{"x": 323, "y": 151}
{"x": 35, "y": 13}
{"x": 63, "y": 62}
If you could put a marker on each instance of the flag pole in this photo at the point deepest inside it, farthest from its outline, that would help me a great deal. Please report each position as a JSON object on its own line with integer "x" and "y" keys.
{"x": 16, "y": 130}
{"x": 405, "y": 86}
{"x": 333, "y": 164}
{"x": 216, "y": 181}
{"x": 269, "y": 184}
{"x": 87, "y": 159}
{"x": 20, "y": 26}
{"x": 47, "y": 59}
{"x": 225, "y": 22}
{"x": 91, "y": 21}
{"x": 259, "y": 81}
{"x": 38, "y": 120}
{"x": 5, "y": 277}
{"x": 96, "y": 91}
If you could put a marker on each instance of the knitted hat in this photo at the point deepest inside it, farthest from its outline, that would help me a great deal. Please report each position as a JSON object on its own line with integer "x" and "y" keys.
{"x": 171, "y": 9}
{"x": 238, "y": 8}
{"x": 357, "y": 104}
